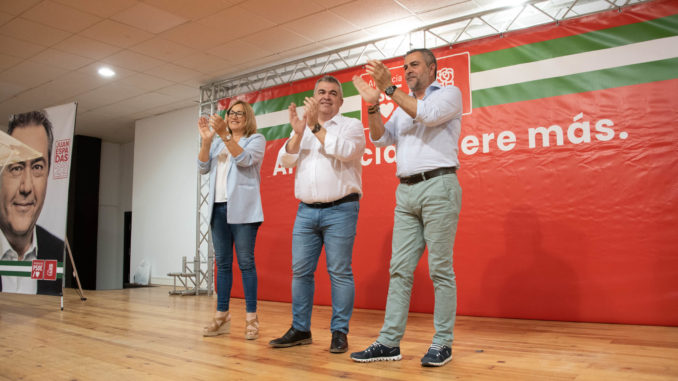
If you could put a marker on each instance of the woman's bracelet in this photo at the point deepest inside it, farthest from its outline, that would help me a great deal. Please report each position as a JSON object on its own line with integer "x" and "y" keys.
{"x": 373, "y": 109}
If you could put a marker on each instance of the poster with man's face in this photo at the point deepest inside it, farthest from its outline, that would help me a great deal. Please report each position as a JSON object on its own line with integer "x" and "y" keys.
{"x": 34, "y": 202}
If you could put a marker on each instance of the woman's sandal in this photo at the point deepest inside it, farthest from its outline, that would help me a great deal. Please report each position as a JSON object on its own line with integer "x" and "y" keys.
{"x": 252, "y": 328}
{"x": 218, "y": 326}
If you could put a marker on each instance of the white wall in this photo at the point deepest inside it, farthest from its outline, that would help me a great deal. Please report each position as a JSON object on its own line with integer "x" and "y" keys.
{"x": 164, "y": 194}
{"x": 126, "y": 173}
{"x": 109, "y": 247}
{"x": 115, "y": 197}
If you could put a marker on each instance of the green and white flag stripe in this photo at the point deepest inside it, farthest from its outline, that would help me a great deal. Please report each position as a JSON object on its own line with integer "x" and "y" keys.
{"x": 24, "y": 268}
{"x": 620, "y": 56}
{"x": 580, "y": 43}
{"x": 578, "y": 83}
{"x": 281, "y": 103}
{"x": 648, "y": 51}
{"x": 632, "y": 64}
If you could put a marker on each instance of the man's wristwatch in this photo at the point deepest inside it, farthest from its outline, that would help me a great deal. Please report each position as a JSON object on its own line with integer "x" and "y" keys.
{"x": 390, "y": 90}
{"x": 316, "y": 128}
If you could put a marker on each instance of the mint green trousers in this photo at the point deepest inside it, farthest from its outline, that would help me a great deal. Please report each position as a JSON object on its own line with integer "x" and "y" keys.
{"x": 426, "y": 215}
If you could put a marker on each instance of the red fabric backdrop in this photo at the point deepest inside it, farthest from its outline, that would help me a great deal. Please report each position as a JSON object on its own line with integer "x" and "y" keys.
{"x": 576, "y": 232}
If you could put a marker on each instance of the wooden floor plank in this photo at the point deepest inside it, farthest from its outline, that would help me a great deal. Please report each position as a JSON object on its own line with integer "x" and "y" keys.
{"x": 144, "y": 333}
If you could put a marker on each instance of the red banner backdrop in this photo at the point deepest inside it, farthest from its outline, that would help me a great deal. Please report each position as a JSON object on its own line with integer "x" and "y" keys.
{"x": 569, "y": 184}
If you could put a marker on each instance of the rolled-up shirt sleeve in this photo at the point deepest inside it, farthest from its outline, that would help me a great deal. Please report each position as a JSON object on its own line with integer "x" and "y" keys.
{"x": 204, "y": 166}
{"x": 288, "y": 160}
{"x": 347, "y": 143}
{"x": 442, "y": 106}
{"x": 389, "y": 136}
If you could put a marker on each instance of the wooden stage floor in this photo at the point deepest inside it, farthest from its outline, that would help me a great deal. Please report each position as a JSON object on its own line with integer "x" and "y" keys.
{"x": 144, "y": 333}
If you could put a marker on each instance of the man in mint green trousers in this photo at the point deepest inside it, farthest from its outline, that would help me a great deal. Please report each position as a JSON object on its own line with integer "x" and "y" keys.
{"x": 425, "y": 129}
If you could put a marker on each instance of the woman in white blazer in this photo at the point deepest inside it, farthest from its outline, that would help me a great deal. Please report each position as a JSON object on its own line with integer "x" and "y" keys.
{"x": 233, "y": 159}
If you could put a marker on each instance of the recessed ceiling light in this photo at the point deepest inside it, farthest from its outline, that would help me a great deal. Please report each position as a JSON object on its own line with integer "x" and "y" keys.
{"x": 106, "y": 72}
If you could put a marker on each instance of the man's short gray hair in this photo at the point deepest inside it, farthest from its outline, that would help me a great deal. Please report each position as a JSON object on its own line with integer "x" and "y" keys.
{"x": 429, "y": 57}
{"x": 330, "y": 79}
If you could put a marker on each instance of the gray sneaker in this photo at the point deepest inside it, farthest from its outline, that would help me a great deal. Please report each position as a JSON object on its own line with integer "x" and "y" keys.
{"x": 377, "y": 352}
{"x": 437, "y": 355}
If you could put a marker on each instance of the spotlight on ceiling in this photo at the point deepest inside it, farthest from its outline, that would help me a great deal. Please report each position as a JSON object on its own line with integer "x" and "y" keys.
{"x": 106, "y": 72}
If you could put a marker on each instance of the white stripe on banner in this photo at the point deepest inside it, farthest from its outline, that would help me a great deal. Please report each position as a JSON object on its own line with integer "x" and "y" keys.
{"x": 16, "y": 268}
{"x": 26, "y": 269}
{"x": 648, "y": 51}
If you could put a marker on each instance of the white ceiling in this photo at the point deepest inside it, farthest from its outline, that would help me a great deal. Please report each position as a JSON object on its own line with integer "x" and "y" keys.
{"x": 164, "y": 50}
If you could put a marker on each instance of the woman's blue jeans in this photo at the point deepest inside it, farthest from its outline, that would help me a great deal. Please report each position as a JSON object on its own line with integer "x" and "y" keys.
{"x": 224, "y": 236}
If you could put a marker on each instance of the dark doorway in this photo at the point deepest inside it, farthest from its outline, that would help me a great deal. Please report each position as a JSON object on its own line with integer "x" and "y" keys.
{"x": 83, "y": 211}
{"x": 126, "y": 249}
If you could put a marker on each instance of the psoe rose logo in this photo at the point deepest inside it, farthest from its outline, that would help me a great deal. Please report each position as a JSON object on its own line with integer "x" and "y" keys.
{"x": 446, "y": 76}
{"x": 455, "y": 70}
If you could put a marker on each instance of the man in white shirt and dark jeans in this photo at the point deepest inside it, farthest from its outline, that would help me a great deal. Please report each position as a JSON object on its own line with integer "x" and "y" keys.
{"x": 326, "y": 147}
{"x": 425, "y": 129}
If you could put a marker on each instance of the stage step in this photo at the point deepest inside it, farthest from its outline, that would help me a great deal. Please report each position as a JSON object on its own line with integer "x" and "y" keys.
{"x": 181, "y": 274}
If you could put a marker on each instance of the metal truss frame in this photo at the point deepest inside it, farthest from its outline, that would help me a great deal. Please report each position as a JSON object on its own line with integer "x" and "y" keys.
{"x": 446, "y": 33}
{"x": 204, "y": 251}
{"x": 493, "y": 22}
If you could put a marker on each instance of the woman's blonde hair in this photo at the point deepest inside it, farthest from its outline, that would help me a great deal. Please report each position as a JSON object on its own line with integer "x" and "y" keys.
{"x": 250, "y": 120}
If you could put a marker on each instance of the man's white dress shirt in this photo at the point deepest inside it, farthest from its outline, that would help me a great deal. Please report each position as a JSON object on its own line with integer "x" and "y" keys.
{"x": 330, "y": 172}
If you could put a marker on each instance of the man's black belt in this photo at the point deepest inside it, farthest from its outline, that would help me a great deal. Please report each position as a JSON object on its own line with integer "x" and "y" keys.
{"x": 349, "y": 198}
{"x": 419, "y": 177}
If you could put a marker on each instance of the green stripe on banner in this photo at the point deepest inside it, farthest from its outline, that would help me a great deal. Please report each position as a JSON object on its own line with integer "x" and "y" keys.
{"x": 283, "y": 131}
{"x": 585, "y": 42}
{"x": 16, "y": 273}
{"x": 276, "y": 132}
{"x": 24, "y": 263}
{"x": 282, "y": 103}
{"x": 578, "y": 83}
{"x": 352, "y": 114}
